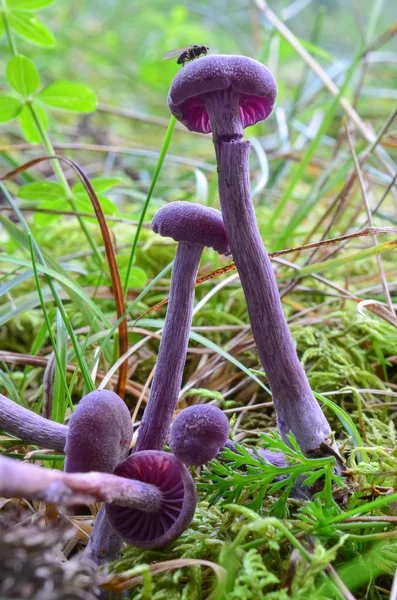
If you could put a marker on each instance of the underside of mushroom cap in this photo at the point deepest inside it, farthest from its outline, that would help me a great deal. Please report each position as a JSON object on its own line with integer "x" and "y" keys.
{"x": 192, "y": 223}
{"x": 253, "y": 82}
{"x": 171, "y": 477}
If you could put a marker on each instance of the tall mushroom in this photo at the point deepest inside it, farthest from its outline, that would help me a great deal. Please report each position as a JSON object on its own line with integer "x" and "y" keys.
{"x": 224, "y": 94}
{"x": 194, "y": 227}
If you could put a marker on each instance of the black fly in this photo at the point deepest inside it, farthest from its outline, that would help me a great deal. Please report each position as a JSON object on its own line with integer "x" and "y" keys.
{"x": 186, "y": 54}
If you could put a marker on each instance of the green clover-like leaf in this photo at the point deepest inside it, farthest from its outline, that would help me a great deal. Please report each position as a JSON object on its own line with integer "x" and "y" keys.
{"x": 22, "y": 75}
{"x": 28, "y": 4}
{"x": 67, "y": 95}
{"x": 31, "y": 28}
{"x": 9, "y": 108}
{"x": 38, "y": 191}
{"x": 100, "y": 184}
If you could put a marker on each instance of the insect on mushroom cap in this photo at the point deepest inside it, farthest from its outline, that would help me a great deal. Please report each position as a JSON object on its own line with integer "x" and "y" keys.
{"x": 171, "y": 477}
{"x": 99, "y": 435}
{"x": 192, "y": 223}
{"x": 253, "y": 82}
{"x": 198, "y": 433}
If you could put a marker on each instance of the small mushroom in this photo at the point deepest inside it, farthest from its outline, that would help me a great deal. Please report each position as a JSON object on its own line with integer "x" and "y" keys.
{"x": 99, "y": 435}
{"x": 194, "y": 227}
{"x": 31, "y": 427}
{"x": 99, "y": 438}
{"x": 170, "y": 477}
{"x": 225, "y": 94}
{"x": 198, "y": 433}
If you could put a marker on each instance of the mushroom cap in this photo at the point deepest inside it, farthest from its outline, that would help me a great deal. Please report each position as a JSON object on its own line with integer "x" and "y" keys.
{"x": 154, "y": 530}
{"x": 253, "y": 82}
{"x": 99, "y": 434}
{"x": 198, "y": 433}
{"x": 192, "y": 223}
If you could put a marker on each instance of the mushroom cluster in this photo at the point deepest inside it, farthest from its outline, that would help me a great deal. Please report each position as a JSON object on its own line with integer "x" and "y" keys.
{"x": 149, "y": 495}
{"x": 225, "y": 94}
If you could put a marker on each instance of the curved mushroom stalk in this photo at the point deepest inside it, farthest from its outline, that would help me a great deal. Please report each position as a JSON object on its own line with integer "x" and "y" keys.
{"x": 194, "y": 227}
{"x": 225, "y": 94}
{"x": 30, "y": 427}
{"x": 24, "y": 480}
{"x": 178, "y": 500}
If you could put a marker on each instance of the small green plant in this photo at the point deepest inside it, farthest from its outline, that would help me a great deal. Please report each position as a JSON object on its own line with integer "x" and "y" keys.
{"x": 249, "y": 479}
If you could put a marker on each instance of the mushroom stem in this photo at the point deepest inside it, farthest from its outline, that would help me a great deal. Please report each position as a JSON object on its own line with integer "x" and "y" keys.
{"x": 30, "y": 427}
{"x": 24, "y": 480}
{"x": 167, "y": 380}
{"x": 104, "y": 544}
{"x": 297, "y": 409}
{"x": 227, "y": 125}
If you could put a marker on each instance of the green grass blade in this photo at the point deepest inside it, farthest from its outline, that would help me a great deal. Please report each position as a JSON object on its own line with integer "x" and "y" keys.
{"x": 159, "y": 165}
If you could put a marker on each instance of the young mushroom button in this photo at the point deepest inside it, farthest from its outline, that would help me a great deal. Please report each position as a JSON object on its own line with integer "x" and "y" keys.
{"x": 225, "y": 94}
{"x": 99, "y": 435}
{"x": 193, "y": 226}
{"x": 198, "y": 433}
{"x": 98, "y": 439}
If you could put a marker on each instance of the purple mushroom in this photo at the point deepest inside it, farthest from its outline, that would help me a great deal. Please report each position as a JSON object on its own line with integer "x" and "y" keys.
{"x": 99, "y": 438}
{"x": 99, "y": 435}
{"x": 178, "y": 500}
{"x": 194, "y": 227}
{"x": 198, "y": 433}
{"x": 225, "y": 94}
{"x": 31, "y": 427}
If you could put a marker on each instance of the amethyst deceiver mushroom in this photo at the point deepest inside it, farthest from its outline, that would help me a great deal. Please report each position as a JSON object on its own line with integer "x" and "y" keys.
{"x": 99, "y": 438}
{"x": 99, "y": 434}
{"x": 224, "y": 94}
{"x": 178, "y": 500}
{"x": 31, "y": 427}
{"x": 194, "y": 227}
{"x": 198, "y": 433}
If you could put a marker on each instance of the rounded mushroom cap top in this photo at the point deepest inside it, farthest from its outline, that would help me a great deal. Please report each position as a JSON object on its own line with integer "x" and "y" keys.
{"x": 171, "y": 477}
{"x": 198, "y": 433}
{"x": 99, "y": 434}
{"x": 253, "y": 82}
{"x": 192, "y": 223}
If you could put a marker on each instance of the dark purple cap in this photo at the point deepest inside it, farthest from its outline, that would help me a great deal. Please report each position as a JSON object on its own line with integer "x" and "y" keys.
{"x": 253, "y": 82}
{"x": 171, "y": 477}
{"x": 192, "y": 223}
{"x": 198, "y": 433}
{"x": 99, "y": 435}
